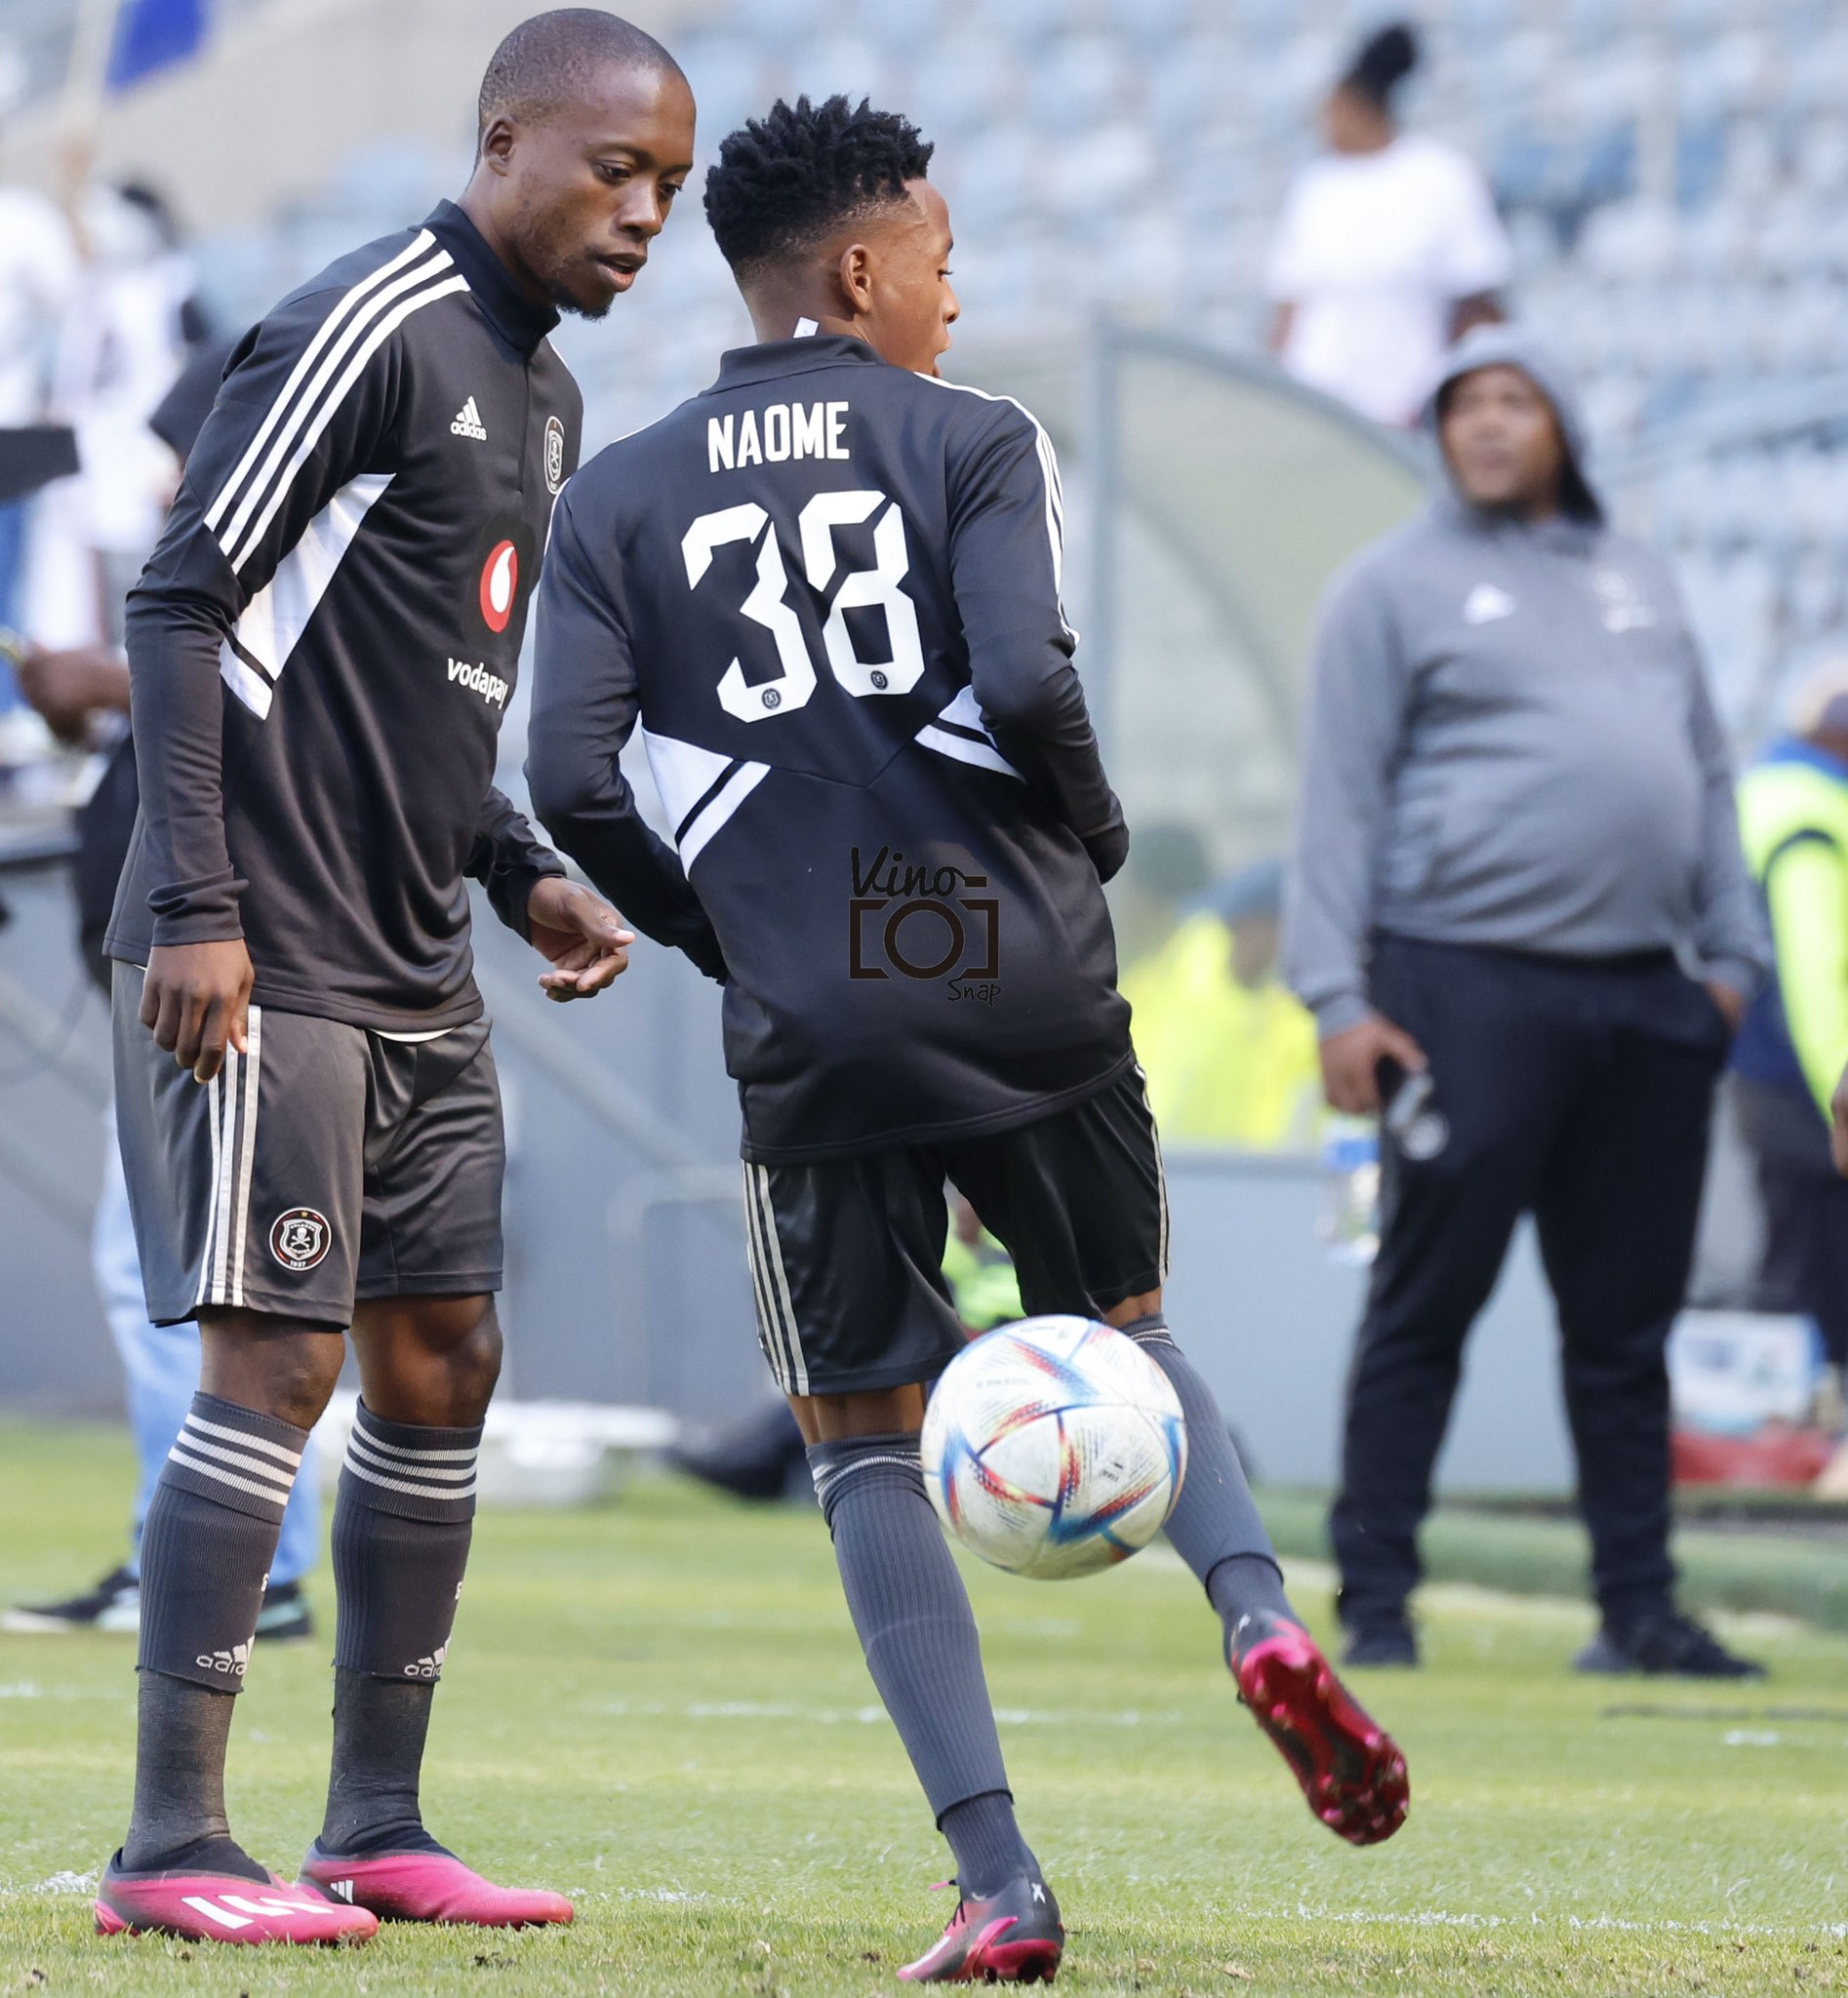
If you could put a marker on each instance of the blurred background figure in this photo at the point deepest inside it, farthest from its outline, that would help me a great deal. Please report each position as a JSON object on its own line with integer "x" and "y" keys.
{"x": 1517, "y": 811}
{"x": 1228, "y": 1050}
{"x": 38, "y": 272}
{"x": 81, "y": 693}
{"x": 1793, "y": 1046}
{"x": 1389, "y": 248}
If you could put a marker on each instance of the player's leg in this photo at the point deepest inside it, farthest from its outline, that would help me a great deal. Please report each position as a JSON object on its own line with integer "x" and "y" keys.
{"x": 1616, "y": 1216}
{"x": 853, "y": 1317}
{"x": 215, "y": 1174}
{"x": 1080, "y": 1200}
{"x": 429, "y": 1347}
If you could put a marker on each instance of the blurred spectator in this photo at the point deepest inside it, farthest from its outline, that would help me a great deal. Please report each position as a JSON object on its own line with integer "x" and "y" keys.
{"x": 1516, "y": 825}
{"x": 1794, "y": 1046}
{"x": 38, "y": 270}
{"x": 1167, "y": 872}
{"x": 1389, "y": 249}
{"x": 124, "y": 338}
{"x": 160, "y": 1364}
{"x": 1228, "y": 1050}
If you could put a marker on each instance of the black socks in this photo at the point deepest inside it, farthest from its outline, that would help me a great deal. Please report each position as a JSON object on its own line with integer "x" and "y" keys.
{"x": 178, "y": 1823}
{"x": 1215, "y": 1527}
{"x": 372, "y": 1793}
{"x": 402, "y": 1526}
{"x": 919, "y": 1633}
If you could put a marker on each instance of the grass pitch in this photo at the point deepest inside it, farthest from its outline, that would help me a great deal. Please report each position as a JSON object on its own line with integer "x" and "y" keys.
{"x": 659, "y": 1707}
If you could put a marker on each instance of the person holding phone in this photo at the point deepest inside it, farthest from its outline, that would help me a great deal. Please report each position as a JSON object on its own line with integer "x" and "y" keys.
{"x": 1518, "y": 872}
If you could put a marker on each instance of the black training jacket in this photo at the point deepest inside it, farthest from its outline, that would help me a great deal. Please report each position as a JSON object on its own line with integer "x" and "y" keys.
{"x": 828, "y": 590}
{"x": 323, "y": 645}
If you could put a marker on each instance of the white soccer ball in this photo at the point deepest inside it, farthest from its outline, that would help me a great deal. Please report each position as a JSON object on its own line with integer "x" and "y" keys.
{"x": 1054, "y": 1447}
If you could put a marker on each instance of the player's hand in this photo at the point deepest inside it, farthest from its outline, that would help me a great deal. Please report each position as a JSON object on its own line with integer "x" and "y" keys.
{"x": 67, "y": 688}
{"x": 580, "y": 934}
{"x": 1351, "y": 1063}
{"x": 1730, "y": 1004}
{"x": 196, "y": 999}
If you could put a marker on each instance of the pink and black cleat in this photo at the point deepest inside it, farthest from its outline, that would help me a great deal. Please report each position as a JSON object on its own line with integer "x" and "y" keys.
{"x": 222, "y": 1907}
{"x": 1350, "y": 1768}
{"x": 428, "y": 1887}
{"x": 1011, "y": 1937}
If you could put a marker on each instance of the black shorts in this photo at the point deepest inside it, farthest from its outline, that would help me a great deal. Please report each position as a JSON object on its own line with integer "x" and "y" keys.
{"x": 326, "y": 1165}
{"x": 847, "y": 1255}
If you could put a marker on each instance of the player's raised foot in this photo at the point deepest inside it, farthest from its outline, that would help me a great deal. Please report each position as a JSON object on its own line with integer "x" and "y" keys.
{"x": 222, "y": 1907}
{"x": 1350, "y": 1768}
{"x": 428, "y": 1887}
{"x": 1011, "y": 1937}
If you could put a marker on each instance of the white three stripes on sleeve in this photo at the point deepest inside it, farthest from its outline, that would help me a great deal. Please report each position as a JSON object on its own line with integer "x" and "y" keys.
{"x": 364, "y": 319}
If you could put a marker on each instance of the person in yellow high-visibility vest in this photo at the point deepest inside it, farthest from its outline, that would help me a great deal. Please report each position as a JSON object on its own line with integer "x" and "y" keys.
{"x": 1228, "y": 1050}
{"x": 1793, "y": 1046}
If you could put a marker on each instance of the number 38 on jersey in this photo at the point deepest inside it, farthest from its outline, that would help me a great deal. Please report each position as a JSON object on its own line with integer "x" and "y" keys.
{"x": 767, "y": 603}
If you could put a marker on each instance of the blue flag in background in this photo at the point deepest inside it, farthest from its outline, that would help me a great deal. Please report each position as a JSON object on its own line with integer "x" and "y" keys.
{"x": 151, "y": 34}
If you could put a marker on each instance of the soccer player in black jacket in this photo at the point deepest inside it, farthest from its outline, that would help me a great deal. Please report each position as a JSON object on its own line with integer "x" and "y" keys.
{"x": 321, "y": 652}
{"x": 829, "y": 589}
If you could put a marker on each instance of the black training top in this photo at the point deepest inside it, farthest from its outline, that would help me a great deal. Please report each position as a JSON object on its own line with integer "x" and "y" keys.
{"x": 828, "y": 590}
{"x": 322, "y": 647}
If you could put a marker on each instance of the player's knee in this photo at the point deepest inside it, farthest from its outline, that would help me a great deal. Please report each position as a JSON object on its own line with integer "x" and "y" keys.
{"x": 464, "y": 1340}
{"x": 259, "y": 1364}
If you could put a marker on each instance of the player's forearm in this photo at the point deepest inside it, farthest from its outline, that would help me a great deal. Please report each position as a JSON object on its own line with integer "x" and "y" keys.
{"x": 509, "y": 859}
{"x": 177, "y": 705}
{"x": 590, "y": 813}
{"x": 1040, "y": 724}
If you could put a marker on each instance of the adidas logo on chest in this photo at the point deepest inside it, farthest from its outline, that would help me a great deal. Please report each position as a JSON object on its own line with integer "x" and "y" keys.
{"x": 468, "y": 423}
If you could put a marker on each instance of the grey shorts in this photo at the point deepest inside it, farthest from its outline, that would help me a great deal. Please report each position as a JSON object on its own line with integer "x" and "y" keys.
{"x": 326, "y": 1165}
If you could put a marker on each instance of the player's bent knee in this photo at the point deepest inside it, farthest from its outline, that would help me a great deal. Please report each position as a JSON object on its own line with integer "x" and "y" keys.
{"x": 277, "y": 1366}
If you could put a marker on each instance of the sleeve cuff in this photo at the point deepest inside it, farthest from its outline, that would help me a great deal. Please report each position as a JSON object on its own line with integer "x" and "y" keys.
{"x": 1337, "y": 1015}
{"x": 1741, "y": 975}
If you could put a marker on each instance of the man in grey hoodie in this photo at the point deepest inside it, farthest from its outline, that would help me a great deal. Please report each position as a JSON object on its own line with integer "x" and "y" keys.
{"x": 1519, "y": 873}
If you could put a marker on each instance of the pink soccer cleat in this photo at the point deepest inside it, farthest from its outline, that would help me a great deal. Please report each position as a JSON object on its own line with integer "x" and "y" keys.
{"x": 428, "y": 1887}
{"x": 1011, "y": 1937}
{"x": 222, "y": 1907}
{"x": 1350, "y": 1768}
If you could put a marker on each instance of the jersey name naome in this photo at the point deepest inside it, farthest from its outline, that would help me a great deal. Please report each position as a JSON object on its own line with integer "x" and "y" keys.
{"x": 772, "y": 436}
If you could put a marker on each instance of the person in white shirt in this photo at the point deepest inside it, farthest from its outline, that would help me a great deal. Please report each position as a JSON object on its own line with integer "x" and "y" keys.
{"x": 38, "y": 271}
{"x": 1389, "y": 249}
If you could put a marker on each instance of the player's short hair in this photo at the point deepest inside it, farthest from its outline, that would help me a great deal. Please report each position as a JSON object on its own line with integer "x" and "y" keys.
{"x": 550, "y": 59}
{"x": 796, "y": 173}
{"x": 1382, "y": 62}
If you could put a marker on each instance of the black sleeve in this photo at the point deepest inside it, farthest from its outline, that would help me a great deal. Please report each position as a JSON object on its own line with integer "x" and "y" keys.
{"x": 510, "y": 860}
{"x": 294, "y": 421}
{"x": 1007, "y": 530}
{"x": 584, "y": 711}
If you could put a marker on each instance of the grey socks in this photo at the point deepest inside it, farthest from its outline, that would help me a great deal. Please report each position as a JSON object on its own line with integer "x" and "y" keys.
{"x": 205, "y": 1548}
{"x": 1215, "y": 1527}
{"x": 912, "y": 1614}
{"x": 402, "y": 1526}
{"x": 208, "y": 1538}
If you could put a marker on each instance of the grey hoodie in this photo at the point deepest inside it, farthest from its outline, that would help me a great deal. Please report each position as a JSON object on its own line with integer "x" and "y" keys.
{"x": 1510, "y": 742}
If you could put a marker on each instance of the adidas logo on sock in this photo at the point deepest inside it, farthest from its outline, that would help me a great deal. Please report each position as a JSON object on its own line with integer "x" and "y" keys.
{"x": 468, "y": 423}
{"x": 230, "y": 1662}
{"x": 430, "y": 1667}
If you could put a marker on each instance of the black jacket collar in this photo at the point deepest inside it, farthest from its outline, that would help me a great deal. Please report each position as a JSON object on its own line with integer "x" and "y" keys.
{"x": 801, "y": 356}
{"x": 513, "y": 314}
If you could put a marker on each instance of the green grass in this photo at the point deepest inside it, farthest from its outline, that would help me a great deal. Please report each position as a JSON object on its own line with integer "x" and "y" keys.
{"x": 659, "y": 1707}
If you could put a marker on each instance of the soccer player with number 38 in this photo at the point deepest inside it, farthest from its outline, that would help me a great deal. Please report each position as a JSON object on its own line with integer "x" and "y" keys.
{"x": 828, "y": 590}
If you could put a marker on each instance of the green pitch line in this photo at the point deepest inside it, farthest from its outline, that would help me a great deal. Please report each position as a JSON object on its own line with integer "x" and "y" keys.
{"x": 659, "y": 1707}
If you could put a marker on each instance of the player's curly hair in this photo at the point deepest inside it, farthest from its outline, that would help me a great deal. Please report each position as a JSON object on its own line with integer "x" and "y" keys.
{"x": 799, "y": 172}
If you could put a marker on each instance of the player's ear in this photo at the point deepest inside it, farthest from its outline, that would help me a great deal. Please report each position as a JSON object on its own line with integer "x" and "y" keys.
{"x": 496, "y": 144}
{"x": 854, "y": 273}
